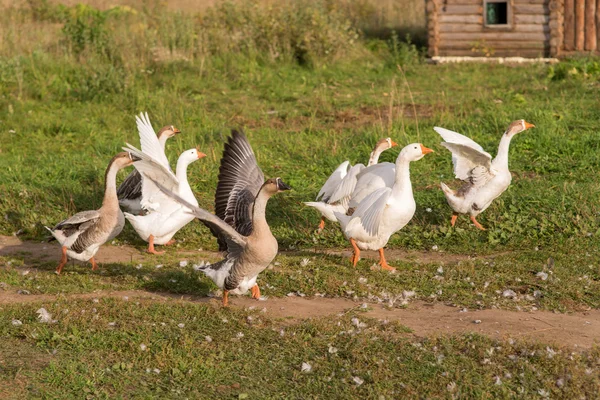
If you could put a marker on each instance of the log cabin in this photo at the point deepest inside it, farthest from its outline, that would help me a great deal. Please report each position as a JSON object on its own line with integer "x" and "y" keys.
{"x": 512, "y": 28}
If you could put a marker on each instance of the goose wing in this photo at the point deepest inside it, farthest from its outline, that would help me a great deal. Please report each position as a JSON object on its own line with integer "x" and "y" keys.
{"x": 149, "y": 141}
{"x": 240, "y": 179}
{"x": 466, "y": 153}
{"x": 149, "y": 167}
{"x": 78, "y": 222}
{"x": 347, "y": 185}
{"x": 234, "y": 242}
{"x": 471, "y": 165}
{"x": 333, "y": 182}
{"x": 370, "y": 210}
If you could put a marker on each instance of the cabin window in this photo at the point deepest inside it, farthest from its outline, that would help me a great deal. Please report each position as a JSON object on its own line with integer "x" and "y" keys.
{"x": 497, "y": 13}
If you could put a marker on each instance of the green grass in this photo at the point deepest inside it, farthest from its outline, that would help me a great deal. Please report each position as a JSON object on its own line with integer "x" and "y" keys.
{"x": 308, "y": 100}
{"x": 94, "y": 350}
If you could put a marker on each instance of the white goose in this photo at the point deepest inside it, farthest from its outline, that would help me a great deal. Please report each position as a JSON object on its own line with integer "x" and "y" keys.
{"x": 385, "y": 211}
{"x": 129, "y": 191}
{"x": 81, "y": 235}
{"x": 164, "y": 216}
{"x": 335, "y": 193}
{"x": 484, "y": 179}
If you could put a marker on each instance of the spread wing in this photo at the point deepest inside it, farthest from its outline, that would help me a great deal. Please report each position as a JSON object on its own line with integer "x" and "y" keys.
{"x": 370, "y": 210}
{"x": 240, "y": 179}
{"x": 332, "y": 183}
{"x": 233, "y": 241}
{"x": 468, "y": 153}
{"x": 148, "y": 167}
{"x": 149, "y": 141}
{"x": 470, "y": 163}
{"x": 455, "y": 137}
{"x": 347, "y": 185}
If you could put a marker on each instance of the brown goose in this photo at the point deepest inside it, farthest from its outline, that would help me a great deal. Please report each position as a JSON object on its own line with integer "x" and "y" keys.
{"x": 130, "y": 191}
{"x": 240, "y": 225}
{"x": 82, "y": 235}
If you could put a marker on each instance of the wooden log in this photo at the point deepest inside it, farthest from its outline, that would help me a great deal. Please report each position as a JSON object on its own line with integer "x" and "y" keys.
{"x": 433, "y": 27}
{"x": 532, "y": 19}
{"x": 590, "y": 25}
{"x": 455, "y": 27}
{"x": 499, "y": 36}
{"x": 532, "y": 53}
{"x": 491, "y": 44}
{"x": 535, "y": 9}
{"x": 530, "y": 2}
{"x": 569, "y": 41}
{"x": 452, "y": 9}
{"x": 465, "y": 19}
{"x": 579, "y": 24}
{"x": 463, "y": 2}
{"x": 597, "y": 22}
{"x": 465, "y": 28}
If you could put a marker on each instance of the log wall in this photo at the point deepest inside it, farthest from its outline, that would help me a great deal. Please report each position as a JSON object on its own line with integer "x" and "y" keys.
{"x": 457, "y": 29}
{"x": 581, "y": 25}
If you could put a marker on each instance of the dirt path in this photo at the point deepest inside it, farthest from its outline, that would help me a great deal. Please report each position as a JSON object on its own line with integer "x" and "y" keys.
{"x": 577, "y": 330}
{"x": 35, "y": 252}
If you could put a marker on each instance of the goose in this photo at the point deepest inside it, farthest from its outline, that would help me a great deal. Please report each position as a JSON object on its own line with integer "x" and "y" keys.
{"x": 164, "y": 216}
{"x": 239, "y": 225}
{"x": 335, "y": 193}
{"x": 81, "y": 235}
{"x": 385, "y": 211}
{"x": 129, "y": 191}
{"x": 484, "y": 179}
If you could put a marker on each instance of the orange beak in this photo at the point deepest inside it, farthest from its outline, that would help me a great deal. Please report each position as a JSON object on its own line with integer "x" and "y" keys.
{"x": 394, "y": 144}
{"x": 426, "y": 150}
{"x": 176, "y": 131}
{"x": 200, "y": 154}
{"x": 528, "y": 125}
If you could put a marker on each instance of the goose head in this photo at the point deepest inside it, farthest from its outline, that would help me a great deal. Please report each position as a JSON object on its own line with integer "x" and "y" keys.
{"x": 274, "y": 185}
{"x": 123, "y": 159}
{"x": 518, "y": 126}
{"x": 414, "y": 152}
{"x": 384, "y": 144}
{"x": 191, "y": 155}
{"x": 167, "y": 132}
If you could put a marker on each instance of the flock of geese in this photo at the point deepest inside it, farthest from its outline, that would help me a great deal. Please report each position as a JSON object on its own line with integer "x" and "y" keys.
{"x": 370, "y": 203}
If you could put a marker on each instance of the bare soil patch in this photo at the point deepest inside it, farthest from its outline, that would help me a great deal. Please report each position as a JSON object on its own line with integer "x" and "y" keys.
{"x": 36, "y": 252}
{"x": 575, "y": 330}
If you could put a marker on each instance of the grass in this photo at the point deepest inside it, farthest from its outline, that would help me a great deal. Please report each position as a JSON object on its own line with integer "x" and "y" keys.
{"x": 94, "y": 349}
{"x": 308, "y": 99}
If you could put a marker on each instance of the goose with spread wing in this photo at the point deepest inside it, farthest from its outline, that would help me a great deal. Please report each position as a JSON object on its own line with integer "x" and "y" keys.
{"x": 129, "y": 191}
{"x": 163, "y": 216}
{"x": 335, "y": 193}
{"x": 484, "y": 178}
{"x": 239, "y": 225}
{"x": 385, "y": 211}
{"x": 82, "y": 235}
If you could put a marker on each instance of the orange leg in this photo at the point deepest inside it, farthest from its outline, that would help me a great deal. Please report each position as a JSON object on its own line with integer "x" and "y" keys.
{"x": 170, "y": 242}
{"x": 321, "y": 225}
{"x": 151, "y": 249}
{"x": 225, "y": 298}
{"x": 63, "y": 260}
{"x": 477, "y": 224}
{"x": 383, "y": 263}
{"x": 356, "y": 254}
{"x": 454, "y": 218}
{"x": 94, "y": 265}
{"x": 255, "y": 292}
